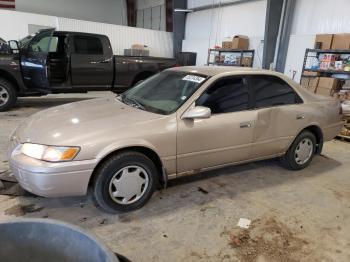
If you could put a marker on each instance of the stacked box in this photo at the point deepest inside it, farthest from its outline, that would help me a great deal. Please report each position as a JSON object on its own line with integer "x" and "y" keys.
{"x": 341, "y": 41}
{"x": 327, "y": 86}
{"x": 237, "y": 42}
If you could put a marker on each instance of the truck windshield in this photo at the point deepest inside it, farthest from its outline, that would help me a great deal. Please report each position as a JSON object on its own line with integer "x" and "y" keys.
{"x": 165, "y": 92}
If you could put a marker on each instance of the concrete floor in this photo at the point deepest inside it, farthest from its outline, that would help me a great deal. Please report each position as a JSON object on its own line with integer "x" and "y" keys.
{"x": 296, "y": 216}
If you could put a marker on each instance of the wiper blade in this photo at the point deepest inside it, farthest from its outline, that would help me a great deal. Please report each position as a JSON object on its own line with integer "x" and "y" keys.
{"x": 132, "y": 102}
{"x": 137, "y": 103}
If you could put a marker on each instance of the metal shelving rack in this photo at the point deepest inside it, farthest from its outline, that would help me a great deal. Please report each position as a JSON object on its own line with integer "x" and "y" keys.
{"x": 222, "y": 50}
{"x": 327, "y": 73}
{"x": 317, "y": 54}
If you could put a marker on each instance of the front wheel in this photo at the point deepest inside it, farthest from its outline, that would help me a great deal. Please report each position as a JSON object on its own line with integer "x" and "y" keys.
{"x": 125, "y": 182}
{"x": 8, "y": 96}
{"x": 301, "y": 152}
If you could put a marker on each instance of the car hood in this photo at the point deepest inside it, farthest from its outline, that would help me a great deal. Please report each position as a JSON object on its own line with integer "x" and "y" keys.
{"x": 77, "y": 123}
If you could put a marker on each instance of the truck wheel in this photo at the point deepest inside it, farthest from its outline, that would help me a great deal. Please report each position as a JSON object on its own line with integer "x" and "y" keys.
{"x": 8, "y": 96}
{"x": 125, "y": 182}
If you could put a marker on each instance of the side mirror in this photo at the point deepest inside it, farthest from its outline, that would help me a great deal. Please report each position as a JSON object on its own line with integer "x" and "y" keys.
{"x": 198, "y": 112}
{"x": 13, "y": 44}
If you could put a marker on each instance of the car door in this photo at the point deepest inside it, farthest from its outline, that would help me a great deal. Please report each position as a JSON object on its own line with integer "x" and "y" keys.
{"x": 34, "y": 61}
{"x": 223, "y": 138}
{"x": 280, "y": 115}
{"x": 91, "y": 66}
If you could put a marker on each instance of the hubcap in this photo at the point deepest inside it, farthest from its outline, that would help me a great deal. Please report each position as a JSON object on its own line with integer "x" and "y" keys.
{"x": 128, "y": 185}
{"x": 4, "y": 96}
{"x": 304, "y": 151}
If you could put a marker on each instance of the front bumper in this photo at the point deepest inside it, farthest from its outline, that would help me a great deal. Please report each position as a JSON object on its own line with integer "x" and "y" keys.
{"x": 51, "y": 179}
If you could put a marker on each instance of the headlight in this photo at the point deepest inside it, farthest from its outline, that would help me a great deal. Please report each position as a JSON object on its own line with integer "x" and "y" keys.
{"x": 50, "y": 153}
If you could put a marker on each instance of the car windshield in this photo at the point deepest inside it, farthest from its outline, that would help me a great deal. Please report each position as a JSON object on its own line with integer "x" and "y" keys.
{"x": 163, "y": 93}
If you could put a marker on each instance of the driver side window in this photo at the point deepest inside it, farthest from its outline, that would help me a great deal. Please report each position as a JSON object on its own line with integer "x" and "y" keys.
{"x": 40, "y": 43}
{"x": 226, "y": 96}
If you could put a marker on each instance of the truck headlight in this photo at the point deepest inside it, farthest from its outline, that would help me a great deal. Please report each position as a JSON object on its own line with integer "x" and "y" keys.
{"x": 49, "y": 153}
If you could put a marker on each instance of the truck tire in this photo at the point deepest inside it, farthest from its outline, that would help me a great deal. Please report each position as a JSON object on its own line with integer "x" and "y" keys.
{"x": 8, "y": 95}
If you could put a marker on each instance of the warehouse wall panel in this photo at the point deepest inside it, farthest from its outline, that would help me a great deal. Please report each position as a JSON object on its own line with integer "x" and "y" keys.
{"x": 321, "y": 16}
{"x": 207, "y": 28}
{"x": 14, "y": 25}
{"x": 313, "y": 17}
{"x": 121, "y": 37}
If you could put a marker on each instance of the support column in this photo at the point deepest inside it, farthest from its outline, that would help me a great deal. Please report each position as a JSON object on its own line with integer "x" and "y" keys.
{"x": 286, "y": 26}
{"x": 179, "y": 23}
{"x": 131, "y": 12}
{"x": 272, "y": 24}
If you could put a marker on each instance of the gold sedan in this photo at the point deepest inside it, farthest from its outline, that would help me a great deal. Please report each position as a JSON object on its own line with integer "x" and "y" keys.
{"x": 179, "y": 122}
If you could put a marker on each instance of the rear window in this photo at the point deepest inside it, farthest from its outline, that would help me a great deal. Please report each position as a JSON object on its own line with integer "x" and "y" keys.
{"x": 88, "y": 45}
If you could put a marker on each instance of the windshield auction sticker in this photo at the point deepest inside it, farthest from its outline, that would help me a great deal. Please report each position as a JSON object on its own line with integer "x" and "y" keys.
{"x": 194, "y": 78}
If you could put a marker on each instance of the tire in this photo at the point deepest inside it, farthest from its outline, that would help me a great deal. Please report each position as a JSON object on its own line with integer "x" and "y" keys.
{"x": 8, "y": 95}
{"x": 121, "y": 168}
{"x": 294, "y": 161}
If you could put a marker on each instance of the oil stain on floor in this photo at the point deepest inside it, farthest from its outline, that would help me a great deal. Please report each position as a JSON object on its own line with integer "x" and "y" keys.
{"x": 21, "y": 210}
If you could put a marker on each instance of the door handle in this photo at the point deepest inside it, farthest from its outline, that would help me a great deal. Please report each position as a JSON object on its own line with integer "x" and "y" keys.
{"x": 246, "y": 124}
{"x": 300, "y": 116}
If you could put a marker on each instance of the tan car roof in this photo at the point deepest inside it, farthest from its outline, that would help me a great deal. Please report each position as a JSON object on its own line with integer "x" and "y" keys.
{"x": 215, "y": 70}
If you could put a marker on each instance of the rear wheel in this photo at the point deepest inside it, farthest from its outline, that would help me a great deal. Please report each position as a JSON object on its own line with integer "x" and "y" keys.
{"x": 301, "y": 152}
{"x": 125, "y": 182}
{"x": 8, "y": 96}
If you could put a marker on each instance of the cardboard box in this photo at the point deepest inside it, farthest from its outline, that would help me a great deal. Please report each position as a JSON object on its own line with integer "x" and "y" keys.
{"x": 311, "y": 73}
{"x": 237, "y": 42}
{"x": 327, "y": 86}
{"x": 346, "y": 85}
{"x": 324, "y": 41}
{"x": 138, "y": 47}
{"x": 247, "y": 61}
{"x": 313, "y": 81}
{"x": 240, "y": 42}
{"x": 304, "y": 81}
{"x": 136, "y": 52}
{"x": 341, "y": 41}
{"x": 227, "y": 44}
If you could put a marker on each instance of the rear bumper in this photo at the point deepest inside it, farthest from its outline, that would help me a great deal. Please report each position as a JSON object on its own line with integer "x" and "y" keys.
{"x": 331, "y": 131}
{"x": 51, "y": 179}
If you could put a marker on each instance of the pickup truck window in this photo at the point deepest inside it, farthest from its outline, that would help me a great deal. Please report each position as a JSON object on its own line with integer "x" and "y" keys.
{"x": 88, "y": 45}
{"x": 163, "y": 93}
{"x": 40, "y": 43}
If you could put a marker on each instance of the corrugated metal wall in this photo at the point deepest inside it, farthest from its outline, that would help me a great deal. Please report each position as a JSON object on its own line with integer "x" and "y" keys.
{"x": 160, "y": 43}
{"x": 313, "y": 17}
{"x": 16, "y": 26}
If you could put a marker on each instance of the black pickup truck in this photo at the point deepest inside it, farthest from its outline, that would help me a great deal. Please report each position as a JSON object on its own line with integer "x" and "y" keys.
{"x": 51, "y": 62}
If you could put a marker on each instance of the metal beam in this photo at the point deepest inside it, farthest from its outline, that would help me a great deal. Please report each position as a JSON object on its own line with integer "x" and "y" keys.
{"x": 217, "y": 5}
{"x": 286, "y": 26}
{"x": 272, "y": 25}
{"x": 131, "y": 12}
{"x": 179, "y": 23}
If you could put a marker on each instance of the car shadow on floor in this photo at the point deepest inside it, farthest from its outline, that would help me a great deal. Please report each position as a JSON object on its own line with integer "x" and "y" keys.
{"x": 230, "y": 183}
